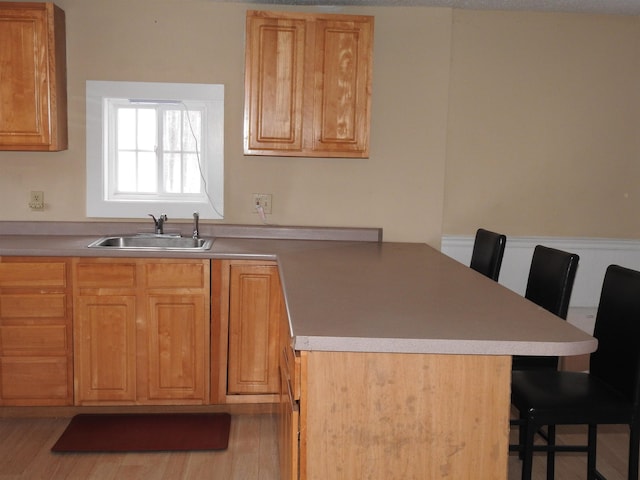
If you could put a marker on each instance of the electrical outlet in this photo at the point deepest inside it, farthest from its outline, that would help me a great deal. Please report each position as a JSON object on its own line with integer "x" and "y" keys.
{"x": 36, "y": 200}
{"x": 262, "y": 199}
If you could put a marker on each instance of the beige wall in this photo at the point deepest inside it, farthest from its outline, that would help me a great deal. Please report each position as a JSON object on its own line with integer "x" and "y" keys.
{"x": 474, "y": 93}
{"x": 543, "y": 125}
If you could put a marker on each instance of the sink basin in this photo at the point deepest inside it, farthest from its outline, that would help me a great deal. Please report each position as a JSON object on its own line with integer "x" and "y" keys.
{"x": 153, "y": 242}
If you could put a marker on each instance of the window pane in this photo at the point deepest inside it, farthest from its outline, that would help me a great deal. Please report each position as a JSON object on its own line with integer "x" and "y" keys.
{"x": 147, "y": 172}
{"x": 126, "y": 172}
{"x": 192, "y": 174}
{"x": 172, "y": 132}
{"x": 192, "y": 128}
{"x": 126, "y": 128}
{"x": 147, "y": 129}
{"x": 172, "y": 173}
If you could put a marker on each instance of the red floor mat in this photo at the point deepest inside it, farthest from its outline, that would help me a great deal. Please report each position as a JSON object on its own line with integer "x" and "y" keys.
{"x": 145, "y": 433}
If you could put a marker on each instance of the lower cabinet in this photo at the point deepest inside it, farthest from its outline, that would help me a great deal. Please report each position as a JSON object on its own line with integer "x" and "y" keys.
{"x": 289, "y": 406}
{"x": 381, "y": 415}
{"x": 35, "y": 331}
{"x": 141, "y": 331}
{"x": 246, "y": 331}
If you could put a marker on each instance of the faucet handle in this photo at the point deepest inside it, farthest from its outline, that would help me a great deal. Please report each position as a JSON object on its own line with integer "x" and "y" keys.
{"x": 162, "y": 218}
{"x": 196, "y": 228}
{"x": 159, "y": 222}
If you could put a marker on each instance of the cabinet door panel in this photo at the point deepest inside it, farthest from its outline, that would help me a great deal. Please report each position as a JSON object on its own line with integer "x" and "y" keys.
{"x": 177, "y": 348}
{"x": 274, "y": 93}
{"x": 33, "y": 87}
{"x": 254, "y": 311}
{"x": 105, "y": 346}
{"x": 342, "y": 85}
{"x": 26, "y": 91}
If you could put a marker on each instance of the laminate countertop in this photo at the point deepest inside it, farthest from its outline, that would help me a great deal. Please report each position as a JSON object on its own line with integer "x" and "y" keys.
{"x": 373, "y": 296}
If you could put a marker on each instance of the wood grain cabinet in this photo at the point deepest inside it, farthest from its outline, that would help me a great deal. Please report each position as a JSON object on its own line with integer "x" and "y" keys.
{"x": 308, "y": 84}
{"x": 35, "y": 332}
{"x": 289, "y": 405}
{"x": 141, "y": 331}
{"x": 33, "y": 90}
{"x": 390, "y": 415}
{"x": 247, "y": 322}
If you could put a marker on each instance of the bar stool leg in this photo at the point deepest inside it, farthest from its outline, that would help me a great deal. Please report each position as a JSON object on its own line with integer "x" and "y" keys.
{"x": 634, "y": 450}
{"x": 527, "y": 447}
{"x": 591, "y": 451}
{"x": 551, "y": 454}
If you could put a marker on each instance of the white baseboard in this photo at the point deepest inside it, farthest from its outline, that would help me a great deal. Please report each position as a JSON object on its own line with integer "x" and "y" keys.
{"x": 596, "y": 254}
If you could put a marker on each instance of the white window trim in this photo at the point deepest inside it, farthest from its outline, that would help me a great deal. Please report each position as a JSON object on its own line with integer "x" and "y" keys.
{"x": 97, "y": 203}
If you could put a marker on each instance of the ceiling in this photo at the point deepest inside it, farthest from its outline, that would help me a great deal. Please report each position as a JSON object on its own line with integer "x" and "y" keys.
{"x": 618, "y": 7}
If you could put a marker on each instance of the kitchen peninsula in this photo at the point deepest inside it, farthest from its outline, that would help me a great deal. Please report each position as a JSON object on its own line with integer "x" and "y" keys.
{"x": 399, "y": 358}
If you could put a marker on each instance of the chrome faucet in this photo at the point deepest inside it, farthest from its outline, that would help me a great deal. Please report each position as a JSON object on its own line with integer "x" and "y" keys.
{"x": 196, "y": 218}
{"x": 159, "y": 223}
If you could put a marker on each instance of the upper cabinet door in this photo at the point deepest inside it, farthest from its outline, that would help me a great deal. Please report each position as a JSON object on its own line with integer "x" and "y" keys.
{"x": 274, "y": 84}
{"x": 33, "y": 95}
{"x": 308, "y": 84}
{"x": 342, "y": 86}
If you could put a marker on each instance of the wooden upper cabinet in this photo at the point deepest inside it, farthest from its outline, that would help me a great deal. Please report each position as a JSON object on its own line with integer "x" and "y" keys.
{"x": 308, "y": 84}
{"x": 33, "y": 84}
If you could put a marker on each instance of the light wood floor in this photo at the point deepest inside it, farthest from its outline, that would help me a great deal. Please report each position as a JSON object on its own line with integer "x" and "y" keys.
{"x": 252, "y": 455}
{"x": 25, "y": 455}
{"x": 613, "y": 447}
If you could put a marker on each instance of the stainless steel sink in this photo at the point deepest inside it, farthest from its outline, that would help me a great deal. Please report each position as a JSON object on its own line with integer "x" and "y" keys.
{"x": 153, "y": 242}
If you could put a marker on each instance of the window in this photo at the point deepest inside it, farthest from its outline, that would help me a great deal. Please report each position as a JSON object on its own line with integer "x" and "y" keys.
{"x": 154, "y": 148}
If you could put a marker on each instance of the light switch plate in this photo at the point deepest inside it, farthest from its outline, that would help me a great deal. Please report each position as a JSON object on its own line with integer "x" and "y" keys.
{"x": 36, "y": 200}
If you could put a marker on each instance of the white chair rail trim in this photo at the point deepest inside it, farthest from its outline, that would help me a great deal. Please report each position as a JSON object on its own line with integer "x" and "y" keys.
{"x": 596, "y": 254}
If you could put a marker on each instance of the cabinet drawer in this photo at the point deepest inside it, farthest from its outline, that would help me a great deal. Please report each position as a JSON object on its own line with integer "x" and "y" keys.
{"x": 175, "y": 275}
{"x": 33, "y": 340}
{"x": 34, "y": 380}
{"x": 33, "y": 306}
{"x": 291, "y": 363}
{"x": 36, "y": 274}
{"x": 106, "y": 275}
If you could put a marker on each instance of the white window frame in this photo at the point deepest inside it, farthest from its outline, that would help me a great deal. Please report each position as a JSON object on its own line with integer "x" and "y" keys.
{"x": 210, "y": 205}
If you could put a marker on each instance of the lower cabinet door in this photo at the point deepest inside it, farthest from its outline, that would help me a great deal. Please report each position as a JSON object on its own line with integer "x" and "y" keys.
{"x": 288, "y": 431}
{"x": 177, "y": 349}
{"x": 254, "y": 312}
{"x": 105, "y": 349}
